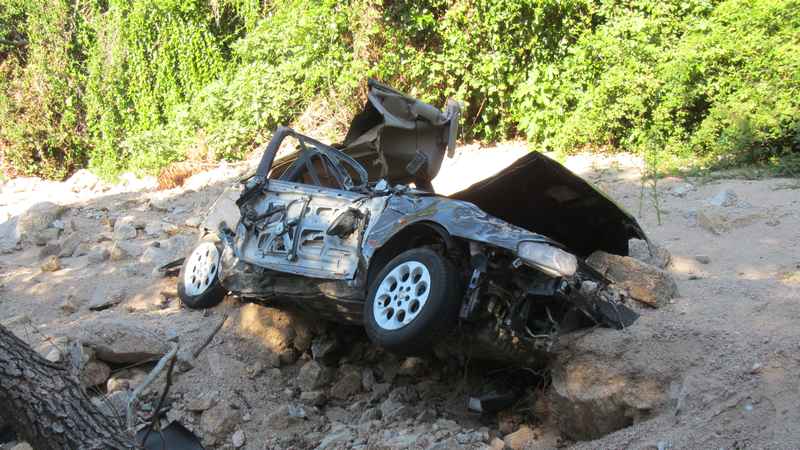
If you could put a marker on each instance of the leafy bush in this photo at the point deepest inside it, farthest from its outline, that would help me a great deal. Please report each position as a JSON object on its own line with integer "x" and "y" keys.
{"x": 137, "y": 84}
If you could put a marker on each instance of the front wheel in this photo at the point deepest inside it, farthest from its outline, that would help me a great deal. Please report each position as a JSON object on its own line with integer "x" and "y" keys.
{"x": 198, "y": 280}
{"x": 413, "y": 300}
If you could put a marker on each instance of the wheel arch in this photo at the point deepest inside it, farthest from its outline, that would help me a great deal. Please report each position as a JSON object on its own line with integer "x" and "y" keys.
{"x": 414, "y": 235}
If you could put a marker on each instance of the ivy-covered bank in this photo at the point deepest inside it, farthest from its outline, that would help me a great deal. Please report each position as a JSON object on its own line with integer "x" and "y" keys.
{"x": 136, "y": 84}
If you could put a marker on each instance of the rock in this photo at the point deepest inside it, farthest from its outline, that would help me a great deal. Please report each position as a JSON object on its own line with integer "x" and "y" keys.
{"x": 703, "y": 259}
{"x": 45, "y": 236}
{"x": 326, "y": 348}
{"x": 167, "y": 250}
{"x": 51, "y": 264}
{"x": 367, "y": 379}
{"x": 120, "y": 342}
{"x": 220, "y": 419}
{"x": 271, "y": 327}
{"x": 595, "y": 391}
{"x": 82, "y": 180}
{"x": 69, "y": 305}
{"x": 117, "y": 253}
{"x": 412, "y": 366}
{"x": 348, "y": 384}
{"x": 394, "y": 410}
{"x": 644, "y": 283}
{"x": 126, "y": 380}
{"x": 520, "y": 439}
{"x": 38, "y": 218}
{"x": 370, "y": 414}
{"x": 193, "y": 222}
{"x": 649, "y": 253}
{"x": 338, "y": 437}
{"x": 312, "y": 376}
{"x": 104, "y": 297}
{"x": 285, "y": 417}
{"x": 497, "y": 444}
{"x": 238, "y": 439}
{"x": 680, "y": 190}
{"x": 98, "y": 255}
{"x": 124, "y": 228}
{"x": 22, "y": 446}
{"x": 95, "y": 373}
{"x": 315, "y": 398}
{"x": 712, "y": 223}
{"x": 49, "y": 250}
{"x": 201, "y": 404}
{"x": 68, "y": 244}
{"x": 82, "y": 249}
{"x": 9, "y": 235}
{"x": 724, "y": 198}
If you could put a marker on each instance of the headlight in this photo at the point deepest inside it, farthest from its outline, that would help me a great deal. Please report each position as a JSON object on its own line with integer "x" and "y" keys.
{"x": 549, "y": 259}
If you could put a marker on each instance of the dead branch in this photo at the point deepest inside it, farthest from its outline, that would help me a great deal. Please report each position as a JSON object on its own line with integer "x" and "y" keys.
{"x": 208, "y": 338}
{"x": 170, "y": 356}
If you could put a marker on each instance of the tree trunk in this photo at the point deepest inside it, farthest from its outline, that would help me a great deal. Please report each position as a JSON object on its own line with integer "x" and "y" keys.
{"x": 46, "y": 405}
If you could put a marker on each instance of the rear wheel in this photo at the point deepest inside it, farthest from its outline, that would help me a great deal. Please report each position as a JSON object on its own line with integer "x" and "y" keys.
{"x": 198, "y": 280}
{"x": 413, "y": 300}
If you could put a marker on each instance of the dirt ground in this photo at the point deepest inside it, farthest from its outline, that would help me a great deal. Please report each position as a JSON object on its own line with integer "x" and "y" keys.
{"x": 729, "y": 342}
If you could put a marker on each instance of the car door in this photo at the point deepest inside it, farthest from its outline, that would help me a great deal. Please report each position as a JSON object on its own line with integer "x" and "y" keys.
{"x": 306, "y": 221}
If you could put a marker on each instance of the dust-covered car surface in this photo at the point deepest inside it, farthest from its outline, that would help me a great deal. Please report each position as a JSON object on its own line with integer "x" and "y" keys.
{"x": 354, "y": 233}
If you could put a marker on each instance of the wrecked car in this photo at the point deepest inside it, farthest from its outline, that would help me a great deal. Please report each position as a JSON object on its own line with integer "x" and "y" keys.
{"x": 355, "y": 233}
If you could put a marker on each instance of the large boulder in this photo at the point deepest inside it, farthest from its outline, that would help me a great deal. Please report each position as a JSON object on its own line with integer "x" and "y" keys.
{"x": 643, "y": 282}
{"x": 649, "y": 252}
{"x": 37, "y": 219}
{"x": 607, "y": 380}
{"x": 9, "y": 235}
{"x": 121, "y": 342}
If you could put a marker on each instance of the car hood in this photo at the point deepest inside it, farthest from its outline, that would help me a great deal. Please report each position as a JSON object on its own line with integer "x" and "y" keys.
{"x": 540, "y": 195}
{"x": 399, "y": 138}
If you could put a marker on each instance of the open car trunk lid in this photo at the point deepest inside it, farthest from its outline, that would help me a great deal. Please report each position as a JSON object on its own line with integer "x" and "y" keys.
{"x": 401, "y": 139}
{"x": 542, "y": 196}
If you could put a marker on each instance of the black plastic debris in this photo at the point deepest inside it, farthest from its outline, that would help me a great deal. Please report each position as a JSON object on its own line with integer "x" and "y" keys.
{"x": 173, "y": 437}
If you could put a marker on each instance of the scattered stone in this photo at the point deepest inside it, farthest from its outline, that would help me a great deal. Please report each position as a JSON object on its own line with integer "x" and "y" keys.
{"x": 82, "y": 180}
{"x": 98, "y": 255}
{"x": 412, "y": 366}
{"x": 104, "y": 297}
{"x": 313, "y": 375}
{"x": 325, "y": 348}
{"x": 367, "y": 379}
{"x": 724, "y": 198}
{"x": 711, "y": 223}
{"x": 286, "y": 416}
{"x": 370, "y": 414}
{"x": 43, "y": 237}
{"x": 703, "y": 259}
{"x": 38, "y": 218}
{"x": 497, "y": 444}
{"x": 521, "y": 438}
{"x": 51, "y": 264}
{"x": 238, "y": 439}
{"x": 124, "y": 228}
{"x": 120, "y": 342}
{"x": 645, "y": 283}
{"x": 348, "y": 384}
{"x": 9, "y": 235}
{"x": 756, "y": 368}
{"x": 773, "y": 222}
{"x": 650, "y": 253}
{"x": 314, "y": 398}
{"x": 49, "y": 250}
{"x": 68, "y": 245}
{"x": 220, "y": 419}
{"x": 69, "y": 306}
{"x": 394, "y": 410}
{"x": 338, "y": 437}
{"x": 680, "y": 190}
{"x": 193, "y": 222}
{"x": 167, "y": 250}
{"x": 83, "y": 249}
{"x": 95, "y": 373}
{"x": 117, "y": 253}
{"x": 126, "y": 380}
{"x": 22, "y": 446}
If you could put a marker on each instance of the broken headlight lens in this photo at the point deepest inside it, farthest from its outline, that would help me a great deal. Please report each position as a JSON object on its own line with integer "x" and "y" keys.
{"x": 547, "y": 258}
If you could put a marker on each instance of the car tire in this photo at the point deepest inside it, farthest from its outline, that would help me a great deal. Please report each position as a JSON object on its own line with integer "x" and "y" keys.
{"x": 413, "y": 300}
{"x": 198, "y": 280}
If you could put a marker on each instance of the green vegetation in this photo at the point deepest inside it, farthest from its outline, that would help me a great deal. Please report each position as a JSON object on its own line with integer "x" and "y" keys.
{"x": 136, "y": 84}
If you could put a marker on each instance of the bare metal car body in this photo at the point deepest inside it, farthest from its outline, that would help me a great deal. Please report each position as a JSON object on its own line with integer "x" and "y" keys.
{"x": 310, "y": 231}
